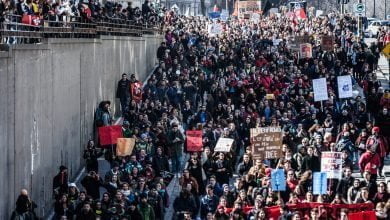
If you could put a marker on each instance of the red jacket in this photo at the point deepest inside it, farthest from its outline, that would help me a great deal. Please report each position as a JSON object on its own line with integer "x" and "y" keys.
{"x": 369, "y": 162}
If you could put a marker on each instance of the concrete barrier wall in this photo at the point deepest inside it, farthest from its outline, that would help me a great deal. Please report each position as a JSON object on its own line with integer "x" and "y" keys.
{"x": 48, "y": 95}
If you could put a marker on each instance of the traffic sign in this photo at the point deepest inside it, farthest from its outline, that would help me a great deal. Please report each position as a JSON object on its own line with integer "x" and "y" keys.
{"x": 360, "y": 9}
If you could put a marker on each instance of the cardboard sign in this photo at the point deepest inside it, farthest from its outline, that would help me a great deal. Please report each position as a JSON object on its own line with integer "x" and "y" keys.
{"x": 319, "y": 183}
{"x": 327, "y": 43}
{"x": 266, "y": 142}
{"x": 136, "y": 91}
{"x": 215, "y": 29}
{"x": 109, "y": 134}
{"x": 297, "y": 41}
{"x": 278, "y": 180}
{"x": 344, "y": 84}
{"x": 194, "y": 141}
{"x": 224, "y": 145}
{"x": 320, "y": 89}
{"x": 246, "y": 7}
{"x": 270, "y": 96}
{"x": 125, "y": 146}
{"x": 305, "y": 51}
{"x": 331, "y": 164}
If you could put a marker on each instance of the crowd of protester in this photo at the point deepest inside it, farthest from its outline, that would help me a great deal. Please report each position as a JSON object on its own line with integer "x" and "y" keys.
{"x": 90, "y": 10}
{"x": 219, "y": 84}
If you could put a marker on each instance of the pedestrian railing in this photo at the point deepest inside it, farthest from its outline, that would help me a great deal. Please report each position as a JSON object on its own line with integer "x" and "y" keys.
{"x": 17, "y": 29}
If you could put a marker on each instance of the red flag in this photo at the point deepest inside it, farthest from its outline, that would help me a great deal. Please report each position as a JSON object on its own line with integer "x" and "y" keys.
{"x": 136, "y": 91}
{"x": 194, "y": 141}
{"x": 300, "y": 13}
{"x": 109, "y": 134}
{"x": 215, "y": 9}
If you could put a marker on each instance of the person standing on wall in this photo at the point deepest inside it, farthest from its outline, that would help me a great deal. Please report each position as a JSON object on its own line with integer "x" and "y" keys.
{"x": 123, "y": 92}
{"x": 60, "y": 182}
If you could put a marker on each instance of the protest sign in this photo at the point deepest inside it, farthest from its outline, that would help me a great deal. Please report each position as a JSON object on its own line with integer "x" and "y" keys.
{"x": 319, "y": 13}
{"x": 327, "y": 43}
{"x": 109, "y": 134}
{"x": 297, "y": 41}
{"x": 305, "y": 51}
{"x": 224, "y": 15}
{"x": 136, "y": 91}
{"x": 278, "y": 180}
{"x": 194, "y": 141}
{"x": 319, "y": 183}
{"x": 215, "y": 29}
{"x": 320, "y": 89}
{"x": 331, "y": 164}
{"x": 125, "y": 146}
{"x": 246, "y": 7}
{"x": 344, "y": 84}
{"x": 270, "y": 96}
{"x": 224, "y": 145}
{"x": 266, "y": 142}
{"x": 255, "y": 18}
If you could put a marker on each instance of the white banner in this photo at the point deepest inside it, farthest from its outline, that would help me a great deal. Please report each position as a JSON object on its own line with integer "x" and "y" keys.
{"x": 331, "y": 164}
{"x": 224, "y": 145}
{"x": 344, "y": 84}
{"x": 320, "y": 89}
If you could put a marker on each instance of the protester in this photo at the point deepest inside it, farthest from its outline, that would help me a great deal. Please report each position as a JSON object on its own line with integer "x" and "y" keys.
{"x": 248, "y": 76}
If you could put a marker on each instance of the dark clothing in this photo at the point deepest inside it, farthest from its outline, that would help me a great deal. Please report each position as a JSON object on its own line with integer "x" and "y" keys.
{"x": 160, "y": 163}
{"x": 123, "y": 89}
{"x": 60, "y": 183}
{"x": 343, "y": 186}
{"x": 91, "y": 156}
{"x": 86, "y": 216}
{"x": 311, "y": 163}
{"x": 92, "y": 184}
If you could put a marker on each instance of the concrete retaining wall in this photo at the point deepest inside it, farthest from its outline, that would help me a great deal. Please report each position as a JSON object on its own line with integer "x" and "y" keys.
{"x": 48, "y": 94}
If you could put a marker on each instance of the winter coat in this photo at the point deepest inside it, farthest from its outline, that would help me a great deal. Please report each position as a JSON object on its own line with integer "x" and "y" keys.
{"x": 370, "y": 162}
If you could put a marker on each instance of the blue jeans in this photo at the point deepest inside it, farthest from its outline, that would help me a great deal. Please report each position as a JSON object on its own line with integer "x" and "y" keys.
{"x": 124, "y": 103}
{"x": 176, "y": 163}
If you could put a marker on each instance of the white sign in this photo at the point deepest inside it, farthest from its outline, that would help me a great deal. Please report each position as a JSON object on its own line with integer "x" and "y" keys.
{"x": 319, "y": 13}
{"x": 224, "y": 145}
{"x": 215, "y": 29}
{"x": 331, "y": 164}
{"x": 255, "y": 18}
{"x": 320, "y": 89}
{"x": 344, "y": 84}
{"x": 359, "y": 9}
{"x": 224, "y": 15}
{"x": 276, "y": 42}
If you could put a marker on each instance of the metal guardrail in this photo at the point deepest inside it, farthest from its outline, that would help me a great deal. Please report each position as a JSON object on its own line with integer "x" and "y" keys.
{"x": 69, "y": 27}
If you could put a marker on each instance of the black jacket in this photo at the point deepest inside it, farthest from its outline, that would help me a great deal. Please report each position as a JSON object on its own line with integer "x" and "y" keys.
{"x": 123, "y": 89}
{"x": 160, "y": 163}
{"x": 92, "y": 184}
{"x": 311, "y": 163}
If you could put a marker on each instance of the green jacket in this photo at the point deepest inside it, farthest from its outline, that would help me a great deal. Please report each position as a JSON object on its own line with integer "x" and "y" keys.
{"x": 147, "y": 212}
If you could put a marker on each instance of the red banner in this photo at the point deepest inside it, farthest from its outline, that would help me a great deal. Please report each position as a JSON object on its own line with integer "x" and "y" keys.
{"x": 136, "y": 91}
{"x": 273, "y": 212}
{"x": 366, "y": 215}
{"x": 194, "y": 141}
{"x": 109, "y": 134}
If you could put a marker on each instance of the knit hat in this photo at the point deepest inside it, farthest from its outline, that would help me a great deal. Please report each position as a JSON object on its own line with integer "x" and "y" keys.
{"x": 375, "y": 130}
